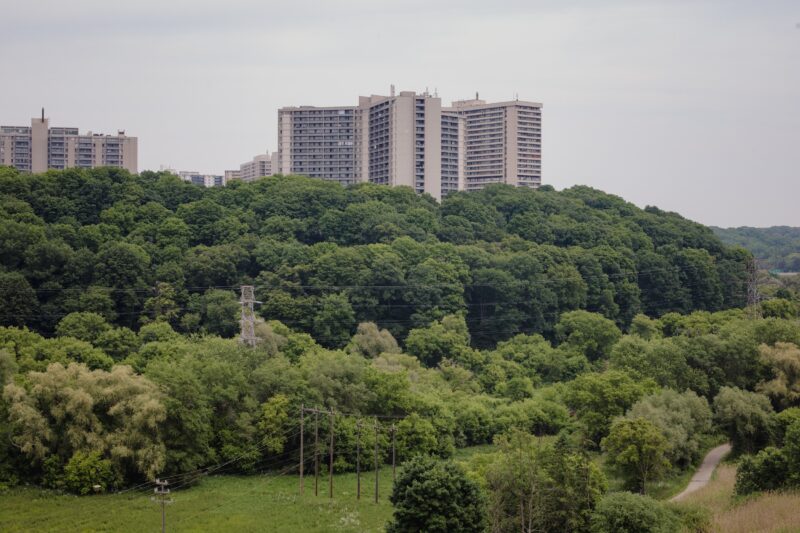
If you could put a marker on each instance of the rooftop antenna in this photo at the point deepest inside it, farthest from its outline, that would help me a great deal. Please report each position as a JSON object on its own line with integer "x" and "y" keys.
{"x": 476, "y": 95}
{"x": 391, "y": 90}
{"x": 516, "y": 97}
{"x": 42, "y": 115}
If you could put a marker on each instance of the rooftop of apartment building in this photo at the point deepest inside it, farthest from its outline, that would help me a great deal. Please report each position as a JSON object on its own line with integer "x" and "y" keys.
{"x": 55, "y": 130}
{"x": 477, "y": 102}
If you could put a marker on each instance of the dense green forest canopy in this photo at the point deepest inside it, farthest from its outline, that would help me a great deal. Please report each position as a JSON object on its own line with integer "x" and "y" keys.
{"x": 776, "y": 248}
{"x": 323, "y": 258}
{"x": 558, "y": 326}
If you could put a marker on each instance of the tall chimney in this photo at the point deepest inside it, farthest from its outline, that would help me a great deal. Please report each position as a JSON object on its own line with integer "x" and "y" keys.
{"x": 42, "y": 115}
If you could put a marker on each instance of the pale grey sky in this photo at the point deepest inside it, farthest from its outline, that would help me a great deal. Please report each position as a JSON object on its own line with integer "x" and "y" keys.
{"x": 690, "y": 105}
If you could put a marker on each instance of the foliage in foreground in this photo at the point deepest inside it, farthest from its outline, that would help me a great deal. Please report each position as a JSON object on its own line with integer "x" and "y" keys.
{"x": 638, "y": 448}
{"x": 536, "y": 486}
{"x": 623, "y": 512}
{"x": 436, "y": 496}
{"x": 774, "y": 467}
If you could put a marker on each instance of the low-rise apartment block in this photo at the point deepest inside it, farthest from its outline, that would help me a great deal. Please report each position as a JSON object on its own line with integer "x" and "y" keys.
{"x": 203, "y": 180}
{"x": 38, "y": 147}
{"x": 232, "y": 175}
{"x": 260, "y": 166}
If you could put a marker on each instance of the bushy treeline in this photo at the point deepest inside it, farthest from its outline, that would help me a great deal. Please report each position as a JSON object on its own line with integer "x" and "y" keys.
{"x": 137, "y": 248}
{"x": 528, "y": 487}
{"x": 496, "y": 317}
{"x": 132, "y": 405}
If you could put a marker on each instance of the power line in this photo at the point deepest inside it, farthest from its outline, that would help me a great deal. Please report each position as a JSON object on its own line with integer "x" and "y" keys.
{"x": 144, "y": 491}
{"x": 630, "y": 274}
{"x": 210, "y": 469}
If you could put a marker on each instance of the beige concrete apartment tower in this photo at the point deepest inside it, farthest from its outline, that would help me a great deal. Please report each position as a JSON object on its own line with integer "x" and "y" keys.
{"x": 453, "y": 148}
{"x": 433, "y": 147}
{"x": 503, "y": 142}
{"x": 40, "y": 128}
{"x": 285, "y": 141}
{"x": 401, "y": 139}
{"x": 401, "y": 142}
{"x": 318, "y": 142}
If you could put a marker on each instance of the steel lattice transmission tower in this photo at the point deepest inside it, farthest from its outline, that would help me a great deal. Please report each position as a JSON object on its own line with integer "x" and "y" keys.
{"x": 753, "y": 297}
{"x": 248, "y": 321}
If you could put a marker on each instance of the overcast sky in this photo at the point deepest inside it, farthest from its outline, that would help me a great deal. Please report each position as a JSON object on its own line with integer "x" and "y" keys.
{"x": 693, "y": 106}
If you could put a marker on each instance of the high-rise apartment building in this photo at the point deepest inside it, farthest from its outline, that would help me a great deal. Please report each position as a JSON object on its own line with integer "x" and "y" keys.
{"x": 319, "y": 142}
{"x": 453, "y": 170}
{"x": 410, "y": 139}
{"x": 39, "y": 147}
{"x": 401, "y": 141}
{"x": 502, "y": 142}
{"x": 391, "y": 140}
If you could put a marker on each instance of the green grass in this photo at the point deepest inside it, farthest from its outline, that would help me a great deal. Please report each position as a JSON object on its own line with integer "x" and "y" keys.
{"x": 662, "y": 489}
{"x": 672, "y": 484}
{"x": 217, "y": 503}
{"x": 241, "y": 503}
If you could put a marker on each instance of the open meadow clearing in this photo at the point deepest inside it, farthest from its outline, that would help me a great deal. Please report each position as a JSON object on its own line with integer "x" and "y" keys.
{"x": 219, "y": 503}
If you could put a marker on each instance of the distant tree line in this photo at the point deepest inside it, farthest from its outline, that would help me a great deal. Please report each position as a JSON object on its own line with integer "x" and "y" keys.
{"x": 776, "y": 248}
{"x": 141, "y": 248}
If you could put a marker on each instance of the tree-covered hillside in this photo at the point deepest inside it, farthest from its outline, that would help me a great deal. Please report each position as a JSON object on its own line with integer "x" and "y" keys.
{"x": 137, "y": 248}
{"x": 776, "y": 248}
{"x": 508, "y": 317}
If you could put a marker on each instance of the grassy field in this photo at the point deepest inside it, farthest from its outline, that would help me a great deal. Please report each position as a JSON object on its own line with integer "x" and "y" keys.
{"x": 272, "y": 503}
{"x": 771, "y": 512}
{"x": 219, "y": 503}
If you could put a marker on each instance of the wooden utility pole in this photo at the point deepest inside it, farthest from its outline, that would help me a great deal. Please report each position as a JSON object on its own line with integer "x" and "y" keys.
{"x": 358, "y": 459}
{"x": 330, "y": 469}
{"x": 394, "y": 469}
{"x": 302, "y": 459}
{"x": 316, "y": 452}
{"x": 162, "y": 498}
{"x": 376, "y": 460}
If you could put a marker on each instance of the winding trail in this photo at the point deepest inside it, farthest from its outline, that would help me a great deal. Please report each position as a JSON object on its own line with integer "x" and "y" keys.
{"x": 703, "y": 475}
